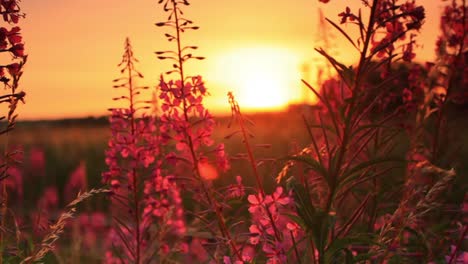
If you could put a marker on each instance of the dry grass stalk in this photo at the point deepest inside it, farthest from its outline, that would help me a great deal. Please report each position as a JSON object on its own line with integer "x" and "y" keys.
{"x": 47, "y": 243}
{"x": 405, "y": 215}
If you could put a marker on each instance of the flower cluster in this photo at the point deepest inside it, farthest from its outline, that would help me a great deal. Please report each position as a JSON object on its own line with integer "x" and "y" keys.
{"x": 10, "y": 11}
{"x": 397, "y": 20}
{"x": 236, "y": 191}
{"x": 47, "y": 205}
{"x": 163, "y": 207}
{"x": 452, "y": 50}
{"x": 131, "y": 152}
{"x": 186, "y": 123}
{"x": 186, "y": 128}
{"x": 271, "y": 227}
{"x": 454, "y": 26}
{"x": 77, "y": 182}
{"x": 11, "y": 42}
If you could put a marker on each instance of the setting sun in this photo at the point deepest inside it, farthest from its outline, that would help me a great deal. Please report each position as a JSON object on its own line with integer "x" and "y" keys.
{"x": 261, "y": 78}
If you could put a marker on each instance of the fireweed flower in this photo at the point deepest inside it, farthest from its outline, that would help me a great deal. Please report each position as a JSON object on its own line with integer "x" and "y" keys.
{"x": 10, "y": 75}
{"x": 10, "y": 10}
{"x": 347, "y": 15}
{"x": 271, "y": 227}
{"x": 164, "y": 208}
{"x": 17, "y": 50}
{"x": 394, "y": 21}
{"x": 236, "y": 190}
{"x": 187, "y": 126}
{"x": 37, "y": 162}
{"x": 77, "y": 182}
{"x": 11, "y": 42}
{"x": 461, "y": 258}
{"x": 47, "y": 206}
{"x": 131, "y": 153}
{"x": 92, "y": 227}
{"x": 185, "y": 122}
{"x": 221, "y": 158}
{"x": 194, "y": 133}
{"x": 15, "y": 182}
{"x": 451, "y": 52}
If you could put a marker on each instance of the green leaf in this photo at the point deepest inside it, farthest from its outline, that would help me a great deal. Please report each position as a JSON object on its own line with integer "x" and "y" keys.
{"x": 370, "y": 126}
{"x": 305, "y": 209}
{"x": 342, "y": 32}
{"x": 353, "y": 173}
{"x": 346, "y": 73}
{"x": 314, "y": 165}
{"x": 313, "y": 218}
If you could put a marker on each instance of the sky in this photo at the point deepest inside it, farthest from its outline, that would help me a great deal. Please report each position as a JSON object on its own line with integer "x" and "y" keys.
{"x": 255, "y": 48}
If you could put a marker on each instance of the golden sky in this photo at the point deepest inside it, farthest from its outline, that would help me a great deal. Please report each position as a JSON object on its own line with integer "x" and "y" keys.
{"x": 74, "y": 48}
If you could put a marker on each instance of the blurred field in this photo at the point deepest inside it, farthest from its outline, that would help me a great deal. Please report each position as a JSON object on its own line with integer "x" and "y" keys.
{"x": 65, "y": 143}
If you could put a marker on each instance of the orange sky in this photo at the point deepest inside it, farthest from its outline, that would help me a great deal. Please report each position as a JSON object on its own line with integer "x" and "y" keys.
{"x": 74, "y": 47}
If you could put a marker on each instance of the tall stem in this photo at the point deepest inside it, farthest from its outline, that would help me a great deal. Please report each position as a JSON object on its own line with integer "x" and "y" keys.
{"x": 350, "y": 113}
{"x": 253, "y": 164}
{"x": 136, "y": 202}
{"x": 209, "y": 196}
{"x": 252, "y": 161}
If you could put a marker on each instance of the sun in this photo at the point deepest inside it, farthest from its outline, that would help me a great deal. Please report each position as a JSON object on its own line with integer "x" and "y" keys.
{"x": 261, "y": 78}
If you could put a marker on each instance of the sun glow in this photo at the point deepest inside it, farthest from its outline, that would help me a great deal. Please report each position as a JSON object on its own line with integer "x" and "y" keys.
{"x": 261, "y": 78}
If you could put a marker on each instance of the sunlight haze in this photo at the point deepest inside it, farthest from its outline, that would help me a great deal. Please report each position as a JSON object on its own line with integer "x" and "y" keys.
{"x": 254, "y": 48}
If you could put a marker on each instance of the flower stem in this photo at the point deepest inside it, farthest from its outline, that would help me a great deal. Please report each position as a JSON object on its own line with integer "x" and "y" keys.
{"x": 209, "y": 196}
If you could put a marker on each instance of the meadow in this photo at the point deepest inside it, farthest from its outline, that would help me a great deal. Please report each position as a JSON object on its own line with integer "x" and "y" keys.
{"x": 66, "y": 143}
{"x": 374, "y": 172}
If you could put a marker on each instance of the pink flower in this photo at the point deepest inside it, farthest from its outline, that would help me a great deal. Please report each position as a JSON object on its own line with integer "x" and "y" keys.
{"x": 14, "y": 36}
{"x": 92, "y": 226}
{"x": 254, "y": 234}
{"x": 49, "y": 200}
{"x": 77, "y": 182}
{"x": 236, "y": 190}
{"x": 11, "y": 10}
{"x": 14, "y": 182}
{"x": 18, "y": 50}
{"x": 37, "y": 161}
{"x": 276, "y": 197}
{"x": 347, "y": 14}
{"x": 274, "y": 253}
{"x": 221, "y": 158}
{"x": 14, "y": 69}
{"x": 256, "y": 201}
